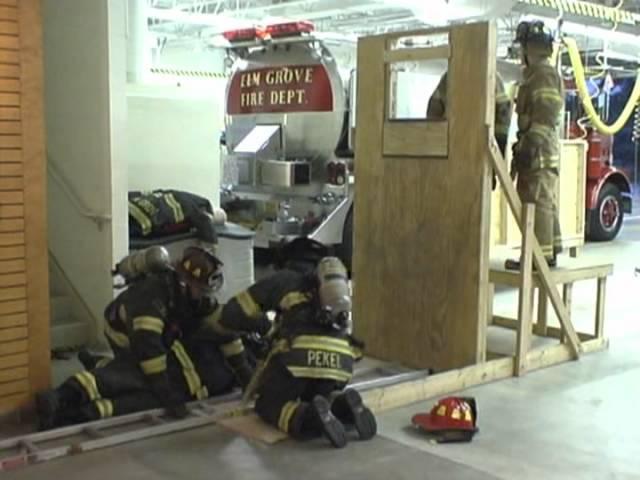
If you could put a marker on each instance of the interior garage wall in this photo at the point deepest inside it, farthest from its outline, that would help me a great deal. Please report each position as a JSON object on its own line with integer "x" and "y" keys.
{"x": 85, "y": 103}
{"x": 173, "y": 138}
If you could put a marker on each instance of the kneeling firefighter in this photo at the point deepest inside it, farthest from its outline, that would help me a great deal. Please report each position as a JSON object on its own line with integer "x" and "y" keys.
{"x": 163, "y": 305}
{"x": 300, "y": 385}
{"x": 120, "y": 387}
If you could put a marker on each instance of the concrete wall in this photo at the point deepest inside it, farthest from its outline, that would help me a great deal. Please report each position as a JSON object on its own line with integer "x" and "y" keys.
{"x": 173, "y": 138}
{"x": 85, "y": 80}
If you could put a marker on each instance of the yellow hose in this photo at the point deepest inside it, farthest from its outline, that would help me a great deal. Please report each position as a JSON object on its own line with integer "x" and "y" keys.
{"x": 581, "y": 84}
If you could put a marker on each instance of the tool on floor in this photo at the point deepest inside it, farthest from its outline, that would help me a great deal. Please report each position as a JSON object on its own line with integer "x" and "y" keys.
{"x": 25, "y": 450}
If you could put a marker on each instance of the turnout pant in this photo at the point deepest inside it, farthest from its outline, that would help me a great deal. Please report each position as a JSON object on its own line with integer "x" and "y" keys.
{"x": 120, "y": 387}
{"x": 541, "y": 188}
{"x": 283, "y": 400}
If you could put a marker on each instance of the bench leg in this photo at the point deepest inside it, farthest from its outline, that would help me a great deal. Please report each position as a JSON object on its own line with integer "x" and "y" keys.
{"x": 543, "y": 313}
{"x": 602, "y": 286}
{"x": 491, "y": 291}
{"x": 574, "y": 252}
{"x": 567, "y": 291}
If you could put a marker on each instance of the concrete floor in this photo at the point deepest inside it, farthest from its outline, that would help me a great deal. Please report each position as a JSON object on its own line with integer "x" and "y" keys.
{"x": 575, "y": 421}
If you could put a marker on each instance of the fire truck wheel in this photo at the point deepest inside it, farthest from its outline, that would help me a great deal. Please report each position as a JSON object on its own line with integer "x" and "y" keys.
{"x": 606, "y": 218}
{"x": 345, "y": 251}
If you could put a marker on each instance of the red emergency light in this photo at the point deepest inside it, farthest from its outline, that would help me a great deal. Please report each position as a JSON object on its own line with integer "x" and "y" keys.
{"x": 278, "y": 30}
{"x": 290, "y": 28}
{"x": 243, "y": 35}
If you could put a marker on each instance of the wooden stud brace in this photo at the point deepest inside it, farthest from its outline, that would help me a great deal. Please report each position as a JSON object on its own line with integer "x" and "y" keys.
{"x": 525, "y": 304}
{"x": 544, "y": 273}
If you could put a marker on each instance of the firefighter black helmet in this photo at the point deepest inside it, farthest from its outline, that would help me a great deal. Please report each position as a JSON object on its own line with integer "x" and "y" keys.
{"x": 534, "y": 34}
{"x": 302, "y": 254}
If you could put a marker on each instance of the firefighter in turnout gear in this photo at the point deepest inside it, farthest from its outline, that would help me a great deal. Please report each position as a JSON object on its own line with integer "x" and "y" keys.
{"x": 300, "y": 385}
{"x": 437, "y": 110}
{"x": 195, "y": 369}
{"x": 536, "y": 155}
{"x": 146, "y": 321}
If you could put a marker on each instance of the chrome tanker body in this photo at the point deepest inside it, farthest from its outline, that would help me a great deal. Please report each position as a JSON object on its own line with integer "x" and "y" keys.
{"x": 287, "y": 144}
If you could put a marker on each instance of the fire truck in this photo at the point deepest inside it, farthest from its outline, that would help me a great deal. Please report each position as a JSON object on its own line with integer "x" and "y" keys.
{"x": 608, "y": 189}
{"x": 289, "y": 136}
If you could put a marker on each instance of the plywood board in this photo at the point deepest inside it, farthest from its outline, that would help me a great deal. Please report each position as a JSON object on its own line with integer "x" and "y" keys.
{"x": 9, "y": 334}
{"x": 12, "y": 266}
{"x": 9, "y": 3}
{"x": 12, "y": 280}
{"x": 9, "y": 100}
{"x": 12, "y": 253}
{"x": 416, "y": 139}
{"x": 10, "y": 141}
{"x": 11, "y": 211}
{"x": 9, "y": 42}
{"x": 15, "y": 360}
{"x": 8, "y": 13}
{"x": 15, "y": 197}
{"x": 10, "y": 169}
{"x": 10, "y": 183}
{"x": 35, "y": 193}
{"x": 11, "y": 239}
{"x": 11, "y": 128}
{"x": 419, "y": 251}
{"x": 10, "y": 403}
{"x": 12, "y": 348}
{"x": 8, "y": 375}
{"x": 13, "y": 320}
{"x": 18, "y": 306}
{"x": 251, "y": 426}
{"x": 12, "y": 293}
{"x": 9, "y": 71}
{"x": 11, "y": 158}
{"x": 18, "y": 386}
{"x": 11, "y": 224}
{"x": 9, "y": 57}
{"x": 8, "y": 28}
{"x": 9, "y": 113}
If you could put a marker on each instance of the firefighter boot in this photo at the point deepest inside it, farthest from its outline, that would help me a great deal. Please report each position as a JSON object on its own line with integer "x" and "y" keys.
{"x": 515, "y": 264}
{"x": 329, "y": 425}
{"x": 348, "y": 407}
{"x": 50, "y": 406}
{"x": 47, "y": 406}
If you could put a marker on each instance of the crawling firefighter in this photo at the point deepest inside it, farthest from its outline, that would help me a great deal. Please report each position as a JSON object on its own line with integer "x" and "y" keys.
{"x": 300, "y": 385}
{"x": 536, "y": 155}
{"x": 144, "y": 325}
{"x": 193, "y": 369}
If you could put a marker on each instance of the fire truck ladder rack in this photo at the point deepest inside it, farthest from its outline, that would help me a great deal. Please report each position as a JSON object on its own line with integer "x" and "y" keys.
{"x": 25, "y": 450}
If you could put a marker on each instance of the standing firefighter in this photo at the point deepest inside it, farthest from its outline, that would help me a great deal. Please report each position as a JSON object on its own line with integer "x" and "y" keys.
{"x": 300, "y": 386}
{"x": 437, "y": 110}
{"x": 536, "y": 154}
{"x": 147, "y": 320}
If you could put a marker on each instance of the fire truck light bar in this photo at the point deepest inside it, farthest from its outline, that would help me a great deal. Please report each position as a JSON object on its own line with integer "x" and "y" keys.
{"x": 290, "y": 28}
{"x": 242, "y": 35}
{"x": 278, "y": 30}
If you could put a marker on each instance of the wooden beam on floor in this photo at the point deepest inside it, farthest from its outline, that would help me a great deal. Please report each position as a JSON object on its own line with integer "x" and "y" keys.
{"x": 395, "y": 396}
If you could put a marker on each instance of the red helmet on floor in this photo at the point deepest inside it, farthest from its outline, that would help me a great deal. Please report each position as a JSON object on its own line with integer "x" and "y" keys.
{"x": 450, "y": 414}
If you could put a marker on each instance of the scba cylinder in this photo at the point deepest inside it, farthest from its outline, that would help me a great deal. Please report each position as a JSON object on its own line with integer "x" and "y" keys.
{"x": 150, "y": 260}
{"x": 335, "y": 295}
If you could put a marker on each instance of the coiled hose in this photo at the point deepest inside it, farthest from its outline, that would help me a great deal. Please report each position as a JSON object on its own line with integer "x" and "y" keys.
{"x": 583, "y": 91}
